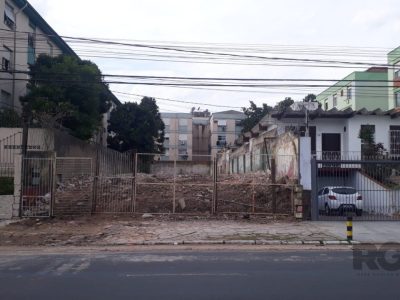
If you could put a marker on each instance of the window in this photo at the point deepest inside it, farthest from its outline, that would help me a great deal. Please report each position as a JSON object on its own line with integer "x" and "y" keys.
{"x": 5, "y": 101}
{"x": 334, "y": 100}
{"x": 326, "y": 105}
{"x": 221, "y": 142}
{"x": 51, "y": 48}
{"x": 349, "y": 93}
{"x": 167, "y": 123}
{"x": 397, "y": 71}
{"x": 395, "y": 141}
{"x": 9, "y": 17}
{"x": 31, "y": 49}
{"x": 397, "y": 99}
{"x": 341, "y": 93}
{"x": 6, "y": 59}
{"x": 182, "y": 143}
{"x": 183, "y": 125}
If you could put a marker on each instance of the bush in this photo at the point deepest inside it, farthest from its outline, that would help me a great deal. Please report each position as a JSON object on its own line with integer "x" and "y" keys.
{"x": 6, "y": 186}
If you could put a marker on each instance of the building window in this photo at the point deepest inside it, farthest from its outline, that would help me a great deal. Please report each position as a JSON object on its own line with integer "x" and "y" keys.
{"x": 397, "y": 99}
{"x": 6, "y": 101}
{"x": 31, "y": 49}
{"x": 334, "y": 100}
{"x": 238, "y": 127}
{"x": 222, "y": 126}
{"x": 221, "y": 142}
{"x": 183, "y": 125}
{"x": 182, "y": 141}
{"x": 349, "y": 93}
{"x": 395, "y": 141}
{"x": 326, "y": 105}
{"x": 341, "y": 93}
{"x": 9, "y": 17}
{"x": 6, "y": 59}
{"x": 51, "y": 48}
{"x": 166, "y": 123}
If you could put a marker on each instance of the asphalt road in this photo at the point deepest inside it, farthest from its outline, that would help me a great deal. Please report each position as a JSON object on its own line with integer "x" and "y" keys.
{"x": 193, "y": 275}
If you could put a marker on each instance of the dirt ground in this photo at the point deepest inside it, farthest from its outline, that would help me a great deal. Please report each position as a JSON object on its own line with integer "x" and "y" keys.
{"x": 119, "y": 229}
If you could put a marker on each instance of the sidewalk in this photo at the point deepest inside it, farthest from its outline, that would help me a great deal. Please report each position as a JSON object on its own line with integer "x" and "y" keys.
{"x": 109, "y": 231}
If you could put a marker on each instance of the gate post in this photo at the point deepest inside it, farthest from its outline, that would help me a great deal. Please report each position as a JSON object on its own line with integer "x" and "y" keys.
{"x": 214, "y": 207}
{"x": 53, "y": 183}
{"x": 273, "y": 180}
{"x": 314, "y": 204}
{"x": 134, "y": 173}
{"x": 95, "y": 180}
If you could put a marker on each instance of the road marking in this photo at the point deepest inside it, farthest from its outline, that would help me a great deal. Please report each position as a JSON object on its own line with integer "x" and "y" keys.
{"x": 187, "y": 274}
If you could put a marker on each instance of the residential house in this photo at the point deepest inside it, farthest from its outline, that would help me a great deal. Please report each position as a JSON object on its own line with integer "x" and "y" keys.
{"x": 366, "y": 89}
{"x": 394, "y": 76}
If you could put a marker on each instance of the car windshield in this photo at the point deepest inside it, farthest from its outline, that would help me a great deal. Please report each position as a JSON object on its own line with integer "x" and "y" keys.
{"x": 344, "y": 191}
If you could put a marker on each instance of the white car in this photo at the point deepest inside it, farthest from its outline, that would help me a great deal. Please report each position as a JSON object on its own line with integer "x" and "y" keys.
{"x": 340, "y": 199}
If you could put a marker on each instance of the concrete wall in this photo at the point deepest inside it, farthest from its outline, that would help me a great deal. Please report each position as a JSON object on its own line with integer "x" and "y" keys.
{"x": 6, "y": 203}
{"x": 376, "y": 197}
{"x": 164, "y": 168}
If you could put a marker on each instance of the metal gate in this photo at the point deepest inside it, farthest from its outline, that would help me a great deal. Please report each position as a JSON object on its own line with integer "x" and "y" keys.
{"x": 365, "y": 189}
{"x": 37, "y": 187}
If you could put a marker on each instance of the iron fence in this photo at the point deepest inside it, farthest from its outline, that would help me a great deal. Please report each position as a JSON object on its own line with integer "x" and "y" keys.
{"x": 366, "y": 189}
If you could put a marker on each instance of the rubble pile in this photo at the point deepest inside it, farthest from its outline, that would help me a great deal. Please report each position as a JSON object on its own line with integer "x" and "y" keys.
{"x": 73, "y": 196}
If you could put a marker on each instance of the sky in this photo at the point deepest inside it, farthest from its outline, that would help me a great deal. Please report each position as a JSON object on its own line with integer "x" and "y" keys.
{"x": 352, "y": 30}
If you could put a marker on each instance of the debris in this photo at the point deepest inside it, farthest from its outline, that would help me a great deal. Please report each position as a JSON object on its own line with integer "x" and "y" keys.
{"x": 147, "y": 216}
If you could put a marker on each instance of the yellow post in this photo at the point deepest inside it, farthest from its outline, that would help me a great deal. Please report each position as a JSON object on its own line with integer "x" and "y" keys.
{"x": 349, "y": 224}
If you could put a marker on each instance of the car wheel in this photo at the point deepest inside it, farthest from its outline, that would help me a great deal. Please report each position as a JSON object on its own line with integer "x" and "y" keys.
{"x": 359, "y": 212}
{"x": 327, "y": 210}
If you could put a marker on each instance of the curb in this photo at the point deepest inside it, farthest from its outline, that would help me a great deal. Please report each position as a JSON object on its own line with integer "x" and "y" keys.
{"x": 238, "y": 242}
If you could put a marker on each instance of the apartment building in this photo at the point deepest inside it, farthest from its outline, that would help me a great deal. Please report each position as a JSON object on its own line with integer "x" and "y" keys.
{"x": 394, "y": 76}
{"x": 366, "y": 89}
{"x": 225, "y": 129}
{"x": 178, "y": 136}
{"x": 24, "y": 36}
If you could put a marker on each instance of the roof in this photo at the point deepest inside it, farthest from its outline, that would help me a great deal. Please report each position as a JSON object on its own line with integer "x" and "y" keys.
{"x": 234, "y": 112}
{"x": 37, "y": 19}
{"x": 334, "y": 113}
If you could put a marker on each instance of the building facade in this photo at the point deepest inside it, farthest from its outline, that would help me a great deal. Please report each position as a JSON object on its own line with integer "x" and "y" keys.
{"x": 24, "y": 36}
{"x": 225, "y": 129}
{"x": 394, "y": 76}
{"x": 198, "y": 135}
{"x": 367, "y": 89}
{"x": 178, "y": 136}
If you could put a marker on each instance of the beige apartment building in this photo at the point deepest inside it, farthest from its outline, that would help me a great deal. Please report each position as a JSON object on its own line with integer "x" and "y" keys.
{"x": 198, "y": 135}
{"x": 24, "y": 36}
{"x": 225, "y": 129}
{"x": 178, "y": 136}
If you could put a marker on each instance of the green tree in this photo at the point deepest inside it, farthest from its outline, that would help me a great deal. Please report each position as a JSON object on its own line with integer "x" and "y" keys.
{"x": 310, "y": 98}
{"x": 282, "y": 105}
{"x": 67, "y": 91}
{"x": 254, "y": 114}
{"x": 9, "y": 118}
{"x": 136, "y": 126}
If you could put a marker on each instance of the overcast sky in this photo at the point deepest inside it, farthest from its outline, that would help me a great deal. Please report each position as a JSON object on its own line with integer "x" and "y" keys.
{"x": 311, "y": 23}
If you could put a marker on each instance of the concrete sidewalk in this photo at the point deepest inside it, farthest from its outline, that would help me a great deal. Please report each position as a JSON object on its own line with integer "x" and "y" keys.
{"x": 96, "y": 231}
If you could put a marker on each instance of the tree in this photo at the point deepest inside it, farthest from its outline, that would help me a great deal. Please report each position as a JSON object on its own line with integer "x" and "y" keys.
{"x": 9, "y": 118}
{"x": 69, "y": 91}
{"x": 254, "y": 114}
{"x": 136, "y": 126}
{"x": 310, "y": 98}
{"x": 282, "y": 105}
